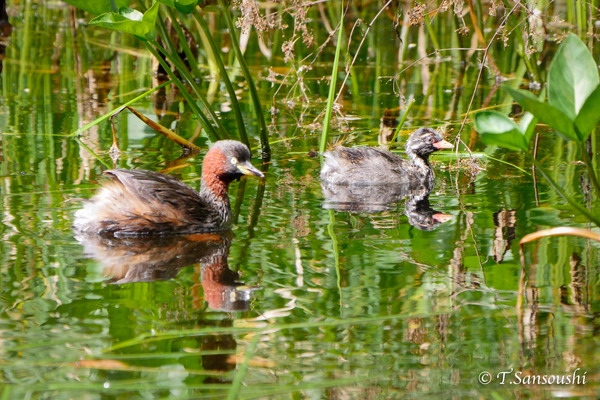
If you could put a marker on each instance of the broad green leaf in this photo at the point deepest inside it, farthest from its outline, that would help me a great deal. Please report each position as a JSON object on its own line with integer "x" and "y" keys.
{"x": 529, "y": 121}
{"x": 98, "y": 7}
{"x": 545, "y": 113}
{"x": 151, "y": 14}
{"x": 130, "y": 21}
{"x": 527, "y": 125}
{"x": 573, "y": 75}
{"x": 131, "y": 14}
{"x": 498, "y": 129}
{"x": 589, "y": 115}
{"x": 184, "y": 6}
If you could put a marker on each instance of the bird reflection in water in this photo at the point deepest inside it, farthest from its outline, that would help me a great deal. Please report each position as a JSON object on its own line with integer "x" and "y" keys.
{"x": 148, "y": 259}
{"x": 373, "y": 199}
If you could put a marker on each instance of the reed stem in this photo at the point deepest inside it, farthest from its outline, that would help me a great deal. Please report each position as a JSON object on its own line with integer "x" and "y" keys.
{"x": 331, "y": 97}
{"x": 402, "y": 121}
{"x": 172, "y": 55}
{"x": 590, "y": 166}
{"x": 262, "y": 126}
{"x": 235, "y": 105}
{"x": 117, "y": 110}
{"x": 562, "y": 194}
{"x": 213, "y": 135}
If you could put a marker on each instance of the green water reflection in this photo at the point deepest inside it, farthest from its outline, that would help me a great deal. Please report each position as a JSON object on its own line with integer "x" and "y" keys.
{"x": 324, "y": 303}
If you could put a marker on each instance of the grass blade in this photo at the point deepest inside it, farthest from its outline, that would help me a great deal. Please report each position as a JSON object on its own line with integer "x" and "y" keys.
{"x": 210, "y": 130}
{"x": 169, "y": 134}
{"x": 117, "y": 110}
{"x": 243, "y": 368}
{"x": 262, "y": 126}
{"x": 219, "y": 61}
{"x": 173, "y": 56}
{"x": 331, "y": 97}
{"x": 562, "y": 194}
{"x": 402, "y": 120}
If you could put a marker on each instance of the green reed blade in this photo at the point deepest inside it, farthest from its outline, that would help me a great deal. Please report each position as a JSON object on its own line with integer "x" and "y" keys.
{"x": 243, "y": 368}
{"x": 235, "y": 105}
{"x": 92, "y": 153}
{"x": 210, "y": 130}
{"x": 331, "y": 97}
{"x": 562, "y": 194}
{"x": 336, "y": 256}
{"x": 402, "y": 121}
{"x": 262, "y": 126}
{"x": 111, "y": 113}
{"x": 173, "y": 57}
{"x": 183, "y": 43}
{"x": 590, "y": 166}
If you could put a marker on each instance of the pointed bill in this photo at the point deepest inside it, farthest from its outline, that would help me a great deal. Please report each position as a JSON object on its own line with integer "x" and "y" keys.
{"x": 248, "y": 169}
{"x": 442, "y": 144}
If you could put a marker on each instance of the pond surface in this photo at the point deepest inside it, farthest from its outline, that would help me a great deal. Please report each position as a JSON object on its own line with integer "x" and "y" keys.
{"x": 303, "y": 299}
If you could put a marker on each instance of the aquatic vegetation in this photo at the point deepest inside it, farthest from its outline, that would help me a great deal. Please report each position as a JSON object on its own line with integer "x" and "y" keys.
{"x": 307, "y": 299}
{"x": 149, "y": 25}
{"x": 572, "y": 110}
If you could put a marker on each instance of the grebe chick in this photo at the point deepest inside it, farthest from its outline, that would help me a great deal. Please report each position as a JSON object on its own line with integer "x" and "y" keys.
{"x": 138, "y": 202}
{"x": 372, "y": 166}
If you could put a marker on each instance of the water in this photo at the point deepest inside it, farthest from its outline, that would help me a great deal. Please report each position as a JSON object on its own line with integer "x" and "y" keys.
{"x": 302, "y": 300}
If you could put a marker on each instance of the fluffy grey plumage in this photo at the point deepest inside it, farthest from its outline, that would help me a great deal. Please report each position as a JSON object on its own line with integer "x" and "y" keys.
{"x": 372, "y": 166}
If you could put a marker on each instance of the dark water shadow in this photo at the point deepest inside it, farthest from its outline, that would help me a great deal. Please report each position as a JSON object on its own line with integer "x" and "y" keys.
{"x": 377, "y": 198}
{"x": 149, "y": 259}
{"x": 5, "y": 31}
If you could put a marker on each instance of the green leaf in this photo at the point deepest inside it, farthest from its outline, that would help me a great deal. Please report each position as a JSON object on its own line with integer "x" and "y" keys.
{"x": 589, "y": 115}
{"x": 184, "y": 6}
{"x": 527, "y": 125}
{"x": 498, "y": 129}
{"x": 131, "y": 21}
{"x": 572, "y": 77}
{"x": 131, "y": 14}
{"x": 98, "y": 7}
{"x": 151, "y": 14}
{"x": 545, "y": 113}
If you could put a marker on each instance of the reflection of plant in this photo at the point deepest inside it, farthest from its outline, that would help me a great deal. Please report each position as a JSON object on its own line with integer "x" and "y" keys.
{"x": 572, "y": 110}
{"x": 147, "y": 26}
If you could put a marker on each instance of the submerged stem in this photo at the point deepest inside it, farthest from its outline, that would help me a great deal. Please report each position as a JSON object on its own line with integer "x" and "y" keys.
{"x": 590, "y": 167}
{"x": 562, "y": 194}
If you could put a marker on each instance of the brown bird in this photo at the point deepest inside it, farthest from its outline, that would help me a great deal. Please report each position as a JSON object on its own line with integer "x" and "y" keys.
{"x": 138, "y": 202}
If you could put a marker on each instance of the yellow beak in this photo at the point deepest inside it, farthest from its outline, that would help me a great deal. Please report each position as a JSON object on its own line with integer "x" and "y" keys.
{"x": 248, "y": 169}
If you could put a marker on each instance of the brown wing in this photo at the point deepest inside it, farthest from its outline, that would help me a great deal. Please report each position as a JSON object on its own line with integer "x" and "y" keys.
{"x": 149, "y": 201}
{"x": 153, "y": 187}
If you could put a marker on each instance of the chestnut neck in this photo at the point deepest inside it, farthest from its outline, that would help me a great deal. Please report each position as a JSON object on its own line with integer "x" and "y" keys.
{"x": 215, "y": 183}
